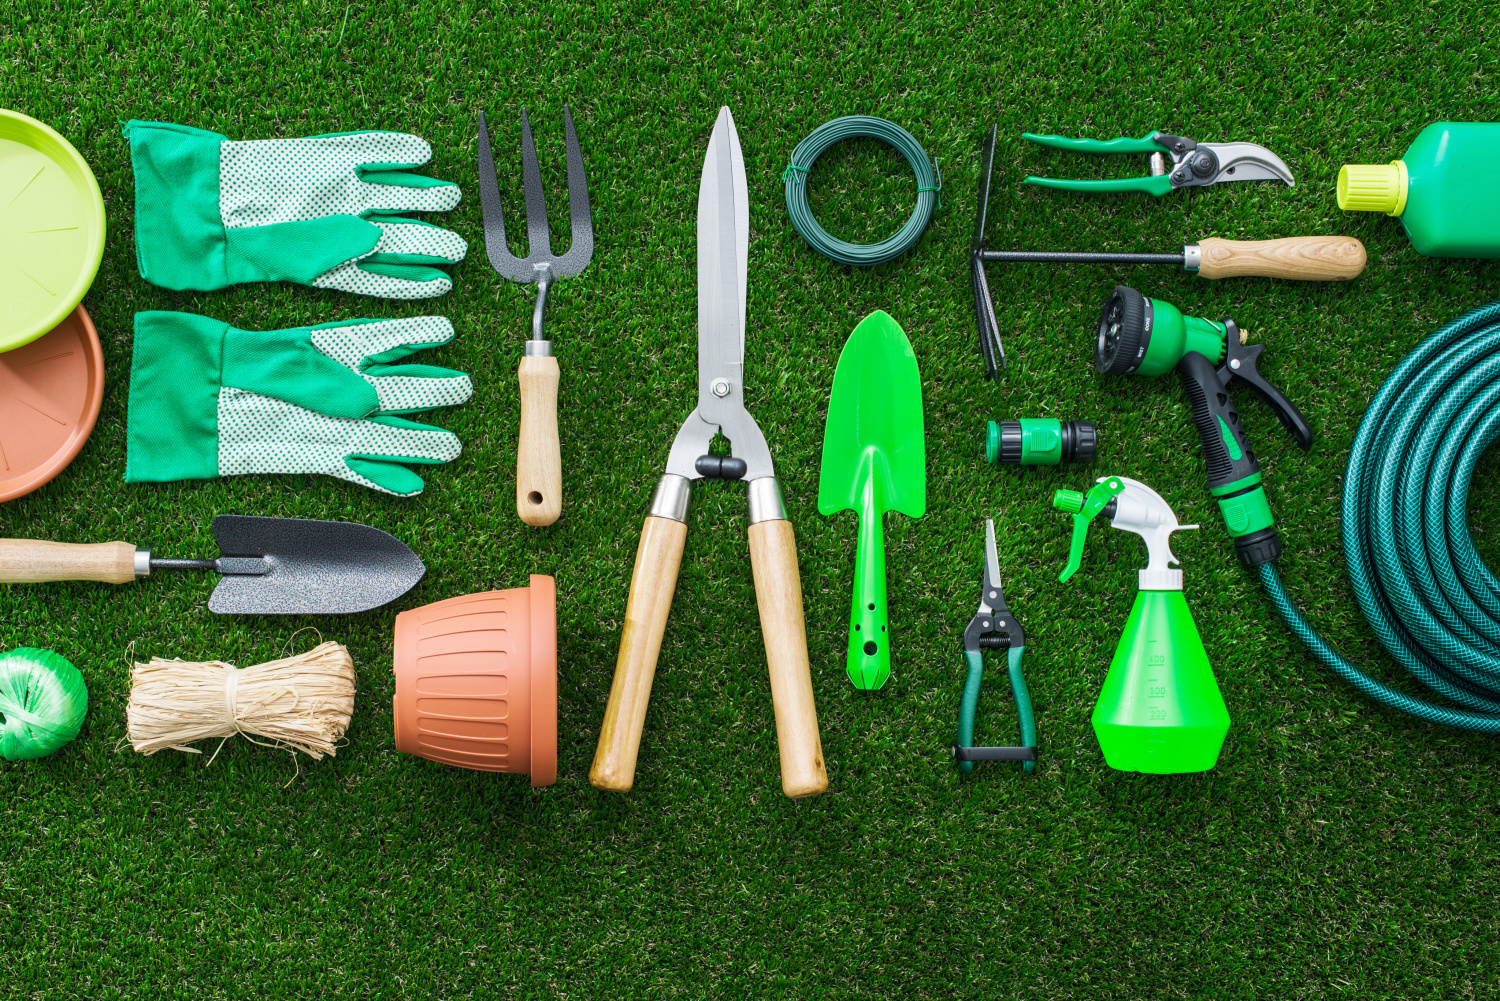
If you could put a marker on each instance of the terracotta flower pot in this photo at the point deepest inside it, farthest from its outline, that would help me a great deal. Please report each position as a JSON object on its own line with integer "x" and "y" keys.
{"x": 476, "y": 681}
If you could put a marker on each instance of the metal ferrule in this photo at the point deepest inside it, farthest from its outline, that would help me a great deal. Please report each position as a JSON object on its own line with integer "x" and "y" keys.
{"x": 1192, "y": 257}
{"x": 765, "y": 501}
{"x": 143, "y": 562}
{"x": 670, "y": 498}
{"x": 539, "y": 349}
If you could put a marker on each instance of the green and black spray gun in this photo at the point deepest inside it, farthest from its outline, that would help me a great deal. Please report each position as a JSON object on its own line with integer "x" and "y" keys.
{"x": 1141, "y": 336}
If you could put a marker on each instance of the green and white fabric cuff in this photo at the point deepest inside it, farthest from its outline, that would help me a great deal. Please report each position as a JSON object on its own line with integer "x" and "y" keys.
{"x": 176, "y": 368}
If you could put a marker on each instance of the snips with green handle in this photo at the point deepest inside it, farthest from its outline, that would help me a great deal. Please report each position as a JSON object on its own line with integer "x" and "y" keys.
{"x": 993, "y": 627}
{"x": 1176, "y": 162}
{"x": 874, "y": 461}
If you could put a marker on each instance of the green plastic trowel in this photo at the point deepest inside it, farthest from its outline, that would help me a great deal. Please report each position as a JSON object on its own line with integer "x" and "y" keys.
{"x": 874, "y": 461}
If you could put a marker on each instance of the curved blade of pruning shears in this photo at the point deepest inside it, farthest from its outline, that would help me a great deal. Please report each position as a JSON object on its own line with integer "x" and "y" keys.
{"x": 1248, "y": 162}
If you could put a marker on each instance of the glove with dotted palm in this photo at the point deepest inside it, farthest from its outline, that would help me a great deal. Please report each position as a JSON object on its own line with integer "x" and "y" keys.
{"x": 328, "y": 211}
{"x": 207, "y": 400}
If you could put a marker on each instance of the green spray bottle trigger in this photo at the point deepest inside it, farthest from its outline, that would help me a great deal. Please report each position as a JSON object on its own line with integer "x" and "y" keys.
{"x": 1160, "y": 709}
{"x": 1085, "y": 509}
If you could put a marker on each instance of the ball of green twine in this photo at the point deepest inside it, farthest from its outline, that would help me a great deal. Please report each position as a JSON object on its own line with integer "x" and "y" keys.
{"x": 929, "y": 190}
{"x": 42, "y": 701}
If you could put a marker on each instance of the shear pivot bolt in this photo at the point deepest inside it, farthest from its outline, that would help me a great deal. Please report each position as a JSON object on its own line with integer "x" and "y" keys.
{"x": 720, "y": 388}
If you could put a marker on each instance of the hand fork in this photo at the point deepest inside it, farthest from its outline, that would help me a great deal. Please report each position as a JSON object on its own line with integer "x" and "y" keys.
{"x": 538, "y": 457}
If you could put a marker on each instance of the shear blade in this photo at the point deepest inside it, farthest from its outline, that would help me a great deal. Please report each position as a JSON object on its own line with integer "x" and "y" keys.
{"x": 1249, "y": 162}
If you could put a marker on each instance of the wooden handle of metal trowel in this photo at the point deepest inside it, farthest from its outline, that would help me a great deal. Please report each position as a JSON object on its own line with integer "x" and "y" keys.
{"x": 539, "y": 457}
{"x": 1299, "y": 258}
{"x": 657, "y": 561}
{"x": 31, "y": 561}
{"x": 778, "y": 592}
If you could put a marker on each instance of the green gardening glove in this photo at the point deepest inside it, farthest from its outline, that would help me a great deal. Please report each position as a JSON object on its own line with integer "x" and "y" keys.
{"x": 323, "y": 211}
{"x": 207, "y": 399}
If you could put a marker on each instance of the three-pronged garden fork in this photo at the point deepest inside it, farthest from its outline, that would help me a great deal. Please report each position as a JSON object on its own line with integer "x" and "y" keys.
{"x": 538, "y": 456}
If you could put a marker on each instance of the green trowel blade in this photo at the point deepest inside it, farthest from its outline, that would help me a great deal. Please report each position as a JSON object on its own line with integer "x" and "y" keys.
{"x": 874, "y": 461}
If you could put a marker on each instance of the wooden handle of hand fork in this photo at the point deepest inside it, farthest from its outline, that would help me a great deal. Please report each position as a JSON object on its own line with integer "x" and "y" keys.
{"x": 657, "y": 561}
{"x": 778, "y": 592}
{"x": 539, "y": 458}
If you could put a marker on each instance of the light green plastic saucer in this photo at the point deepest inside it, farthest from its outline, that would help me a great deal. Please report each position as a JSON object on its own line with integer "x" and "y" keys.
{"x": 51, "y": 229}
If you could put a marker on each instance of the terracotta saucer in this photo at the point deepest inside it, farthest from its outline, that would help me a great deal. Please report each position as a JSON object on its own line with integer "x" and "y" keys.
{"x": 50, "y": 391}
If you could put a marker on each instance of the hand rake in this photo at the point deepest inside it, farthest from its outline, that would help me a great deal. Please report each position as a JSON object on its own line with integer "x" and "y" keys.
{"x": 538, "y": 459}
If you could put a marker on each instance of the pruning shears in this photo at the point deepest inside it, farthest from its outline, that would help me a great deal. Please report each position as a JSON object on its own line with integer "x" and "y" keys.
{"x": 1176, "y": 162}
{"x": 993, "y": 627}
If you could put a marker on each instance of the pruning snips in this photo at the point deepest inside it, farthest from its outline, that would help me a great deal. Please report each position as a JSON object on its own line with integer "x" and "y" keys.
{"x": 1176, "y": 162}
{"x": 993, "y": 627}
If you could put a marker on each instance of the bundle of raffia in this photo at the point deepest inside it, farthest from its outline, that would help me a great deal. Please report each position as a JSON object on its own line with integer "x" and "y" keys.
{"x": 301, "y": 703}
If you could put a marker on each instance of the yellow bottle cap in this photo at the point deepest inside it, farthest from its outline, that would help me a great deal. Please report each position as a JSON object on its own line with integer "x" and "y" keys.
{"x": 1367, "y": 187}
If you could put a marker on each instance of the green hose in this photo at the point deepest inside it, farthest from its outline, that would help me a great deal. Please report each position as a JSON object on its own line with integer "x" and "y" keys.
{"x": 1419, "y": 580}
{"x": 929, "y": 185}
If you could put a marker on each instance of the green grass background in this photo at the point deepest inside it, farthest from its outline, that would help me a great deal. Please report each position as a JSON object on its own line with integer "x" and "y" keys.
{"x": 1338, "y": 850}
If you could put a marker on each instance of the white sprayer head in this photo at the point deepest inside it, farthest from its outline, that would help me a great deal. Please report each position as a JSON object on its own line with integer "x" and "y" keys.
{"x": 1141, "y": 510}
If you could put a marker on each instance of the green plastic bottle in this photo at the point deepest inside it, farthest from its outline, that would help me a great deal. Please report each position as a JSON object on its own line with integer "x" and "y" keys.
{"x": 1445, "y": 189}
{"x": 1160, "y": 710}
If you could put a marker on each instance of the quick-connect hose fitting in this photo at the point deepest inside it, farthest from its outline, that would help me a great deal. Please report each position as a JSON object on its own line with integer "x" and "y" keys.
{"x": 1040, "y": 441}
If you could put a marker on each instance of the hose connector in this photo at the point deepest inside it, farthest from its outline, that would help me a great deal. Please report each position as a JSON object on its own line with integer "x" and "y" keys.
{"x": 1033, "y": 441}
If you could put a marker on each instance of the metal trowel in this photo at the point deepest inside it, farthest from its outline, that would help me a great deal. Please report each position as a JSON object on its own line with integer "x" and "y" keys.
{"x": 270, "y": 566}
{"x": 874, "y": 461}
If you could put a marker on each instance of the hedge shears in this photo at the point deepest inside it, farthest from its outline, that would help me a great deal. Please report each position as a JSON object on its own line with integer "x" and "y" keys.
{"x": 993, "y": 627}
{"x": 723, "y": 267}
{"x": 1176, "y": 162}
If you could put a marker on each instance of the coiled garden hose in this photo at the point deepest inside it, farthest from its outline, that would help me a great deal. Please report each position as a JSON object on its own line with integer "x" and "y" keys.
{"x": 929, "y": 187}
{"x": 1419, "y": 580}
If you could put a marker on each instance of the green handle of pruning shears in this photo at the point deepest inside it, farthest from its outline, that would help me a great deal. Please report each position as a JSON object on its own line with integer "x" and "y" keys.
{"x": 1156, "y": 186}
{"x": 1124, "y": 144}
{"x": 970, "y": 703}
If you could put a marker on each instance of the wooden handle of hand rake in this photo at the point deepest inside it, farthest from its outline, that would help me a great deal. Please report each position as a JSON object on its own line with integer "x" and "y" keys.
{"x": 778, "y": 592}
{"x": 539, "y": 458}
{"x": 30, "y": 561}
{"x": 657, "y": 561}
{"x": 1300, "y": 258}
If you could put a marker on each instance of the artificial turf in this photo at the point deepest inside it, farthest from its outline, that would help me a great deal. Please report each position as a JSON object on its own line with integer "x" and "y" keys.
{"x": 1338, "y": 849}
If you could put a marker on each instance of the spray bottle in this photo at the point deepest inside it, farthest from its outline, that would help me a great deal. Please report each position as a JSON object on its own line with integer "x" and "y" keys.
{"x": 1443, "y": 189}
{"x": 1160, "y": 710}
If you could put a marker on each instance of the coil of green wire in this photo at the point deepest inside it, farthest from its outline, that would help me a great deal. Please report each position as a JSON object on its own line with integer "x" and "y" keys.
{"x": 1420, "y": 581}
{"x": 929, "y": 188}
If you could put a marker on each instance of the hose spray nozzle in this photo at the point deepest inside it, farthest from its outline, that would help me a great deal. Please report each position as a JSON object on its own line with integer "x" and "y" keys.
{"x": 1150, "y": 337}
{"x": 1143, "y": 336}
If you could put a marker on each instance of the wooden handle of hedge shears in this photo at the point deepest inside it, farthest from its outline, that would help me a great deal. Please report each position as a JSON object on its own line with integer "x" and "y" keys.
{"x": 539, "y": 456}
{"x": 778, "y": 593}
{"x": 1299, "y": 258}
{"x": 657, "y": 561}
